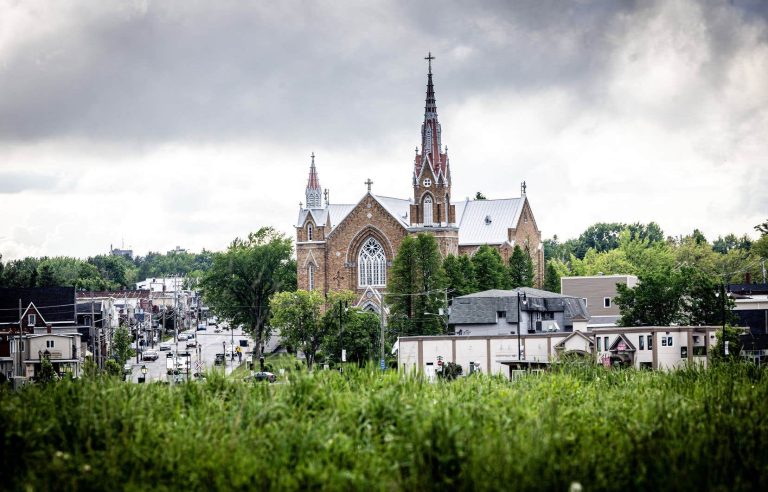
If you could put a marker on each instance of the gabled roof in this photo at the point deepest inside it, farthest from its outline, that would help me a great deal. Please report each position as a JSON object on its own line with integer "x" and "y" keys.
{"x": 622, "y": 338}
{"x": 487, "y": 221}
{"x": 55, "y": 304}
{"x": 575, "y": 334}
{"x": 397, "y": 207}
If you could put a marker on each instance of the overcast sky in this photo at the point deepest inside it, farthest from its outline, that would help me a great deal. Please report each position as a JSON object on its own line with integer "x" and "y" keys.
{"x": 157, "y": 124}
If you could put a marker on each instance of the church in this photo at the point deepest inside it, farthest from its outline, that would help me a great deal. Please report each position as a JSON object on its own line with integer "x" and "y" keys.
{"x": 352, "y": 246}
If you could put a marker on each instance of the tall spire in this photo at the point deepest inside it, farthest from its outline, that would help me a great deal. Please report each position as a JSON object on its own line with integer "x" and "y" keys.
{"x": 431, "y": 107}
{"x": 313, "y": 192}
{"x": 430, "y": 131}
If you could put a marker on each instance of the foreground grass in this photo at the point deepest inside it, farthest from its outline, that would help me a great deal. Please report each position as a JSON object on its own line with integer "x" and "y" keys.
{"x": 606, "y": 430}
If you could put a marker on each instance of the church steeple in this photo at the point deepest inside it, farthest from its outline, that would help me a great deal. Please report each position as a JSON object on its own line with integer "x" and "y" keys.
{"x": 431, "y": 173}
{"x": 313, "y": 193}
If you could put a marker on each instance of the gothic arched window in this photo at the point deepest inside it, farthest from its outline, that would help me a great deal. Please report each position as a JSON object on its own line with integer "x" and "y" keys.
{"x": 371, "y": 264}
{"x": 310, "y": 231}
{"x": 311, "y": 277}
{"x": 427, "y": 210}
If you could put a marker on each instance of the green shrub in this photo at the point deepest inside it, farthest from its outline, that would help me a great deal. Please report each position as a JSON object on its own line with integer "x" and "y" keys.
{"x": 366, "y": 429}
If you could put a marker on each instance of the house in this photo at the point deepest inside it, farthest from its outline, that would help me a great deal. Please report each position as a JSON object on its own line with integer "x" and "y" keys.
{"x": 63, "y": 351}
{"x": 654, "y": 347}
{"x": 495, "y": 312}
{"x": 598, "y": 293}
{"x": 751, "y": 307}
{"x": 27, "y": 312}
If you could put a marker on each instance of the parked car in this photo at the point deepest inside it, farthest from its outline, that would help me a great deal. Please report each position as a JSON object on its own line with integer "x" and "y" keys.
{"x": 183, "y": 337}
{"x": 217, "y": 330}
{"x": 165, "y": 346}
{"x": 190, "y": 335}
{"x": 261, "y": 376}
{"x": 201, "y": 327}
{"x": 150, "y": 355}
{"x": 192, "y": 344}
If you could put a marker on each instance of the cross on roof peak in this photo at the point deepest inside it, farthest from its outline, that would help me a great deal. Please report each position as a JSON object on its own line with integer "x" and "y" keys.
{"x": 429, "y": 59}
{"x": 369, "y": 183}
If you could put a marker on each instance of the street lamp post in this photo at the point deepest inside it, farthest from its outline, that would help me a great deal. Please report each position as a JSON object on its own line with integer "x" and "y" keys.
{"x": 519, "y": 323}
{"x": 722, "y": 304}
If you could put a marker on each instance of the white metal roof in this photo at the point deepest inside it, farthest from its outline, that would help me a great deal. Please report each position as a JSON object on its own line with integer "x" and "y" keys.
{"x": 397, "y": 207}
{"x": 487, "y": 221}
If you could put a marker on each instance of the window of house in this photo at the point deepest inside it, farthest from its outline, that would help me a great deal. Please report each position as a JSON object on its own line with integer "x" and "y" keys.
{"x": 49, "y": 343}
{"x": 663, "y": 341}
{"x": 427, "y": 182}
{"x": 606, "y": 302}
{"x": 501, "y": 314}
{"x": 599, "y": 345}
{"x": 311, "y": 277}
{"x": 310, "y": 232}
{"x": 606, "y": 343}
{"x": 427, "y": 210}
{"x": 669, "y": 341}
{"x": 650, "y": 342}
{"x": 585, "y": 301}
{"x": 683, "y": 352}
{"x": 32, "y": 319}
{"x": 371, "y": 264}
{"x": 641, "y": 346}
{"x": 695, "y": 338}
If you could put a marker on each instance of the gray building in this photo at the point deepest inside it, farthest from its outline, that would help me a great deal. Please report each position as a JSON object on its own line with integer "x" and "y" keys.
{"x": 495, "y": 312}
{"x": 598, "y": 293}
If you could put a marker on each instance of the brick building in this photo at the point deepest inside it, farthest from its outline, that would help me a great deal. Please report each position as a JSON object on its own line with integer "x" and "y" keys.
{"x": 351, "y": 246}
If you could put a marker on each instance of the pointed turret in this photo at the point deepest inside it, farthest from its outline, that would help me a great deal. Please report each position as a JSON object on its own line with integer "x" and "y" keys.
{"x": 314, "y": 193}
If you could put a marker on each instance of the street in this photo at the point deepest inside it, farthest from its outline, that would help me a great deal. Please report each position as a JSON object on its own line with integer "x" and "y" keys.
{"x": 201, "y": 358}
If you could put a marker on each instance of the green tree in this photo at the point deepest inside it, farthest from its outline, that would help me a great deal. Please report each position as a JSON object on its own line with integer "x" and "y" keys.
{"x": 655, "y": 301}
{"x": 600, "y": 237}
{"x": 717, "y": 352}
{"x": 762, "y": 228}
{"x": 20, "y": 273}
{"x": 121, "y": 345}
{"x": 551, "y": 278}
{"x": 760, "y": 247}
{"x": 479, "y": 196}
{"x": 297, "y": 316}
{"x": 350, "y": 329}
{"x": 241, "y": 280}
{"x": 489, "y": 268}
{"x": 416, "y": 289}
{"x": 520, "y": 270}
{"x": 47, "y": 373}
{"x": 460, "y": 275}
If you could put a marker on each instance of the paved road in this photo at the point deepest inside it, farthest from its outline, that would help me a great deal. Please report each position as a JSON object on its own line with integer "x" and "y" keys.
{"x": 210, "y": 344}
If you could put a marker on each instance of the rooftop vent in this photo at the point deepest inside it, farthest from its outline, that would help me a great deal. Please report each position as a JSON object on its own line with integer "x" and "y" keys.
{"x": 488, "y": 219}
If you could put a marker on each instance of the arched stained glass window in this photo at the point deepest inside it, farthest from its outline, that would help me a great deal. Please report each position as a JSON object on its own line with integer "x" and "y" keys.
{"x": 371, "y": 264}
{"x": 427, "y": 210}
{"x": 311, "y": 276}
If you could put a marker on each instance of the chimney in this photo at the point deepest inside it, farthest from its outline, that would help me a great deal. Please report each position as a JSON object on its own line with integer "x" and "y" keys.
{"x": 49, "y": 328}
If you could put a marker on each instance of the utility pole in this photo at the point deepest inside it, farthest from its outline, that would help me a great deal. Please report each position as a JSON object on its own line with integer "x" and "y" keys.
{"x": 18, "y": 344}
{"x": 96, "y": 343}
{"x": 382, "y": 361}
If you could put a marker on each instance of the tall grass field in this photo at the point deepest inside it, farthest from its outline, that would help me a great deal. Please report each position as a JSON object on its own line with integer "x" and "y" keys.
{"x": 366, "y": 430}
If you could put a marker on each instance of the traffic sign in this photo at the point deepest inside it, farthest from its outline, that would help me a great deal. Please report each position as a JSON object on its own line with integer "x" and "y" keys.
{"x": 383, "y": 364}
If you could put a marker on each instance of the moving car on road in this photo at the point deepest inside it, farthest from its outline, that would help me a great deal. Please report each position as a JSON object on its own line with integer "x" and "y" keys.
{"x": 150, "y": 355}
{"x": 165, "y": 346}
{"x": 261, "y": 376}
{"x": 183, "y": 337}
{"x": 192, "y": 344}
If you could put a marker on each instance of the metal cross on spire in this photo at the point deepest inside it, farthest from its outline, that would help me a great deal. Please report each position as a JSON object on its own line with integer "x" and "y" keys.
{"x": 369, "y": 183}
{"x": 429, "y": 59}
